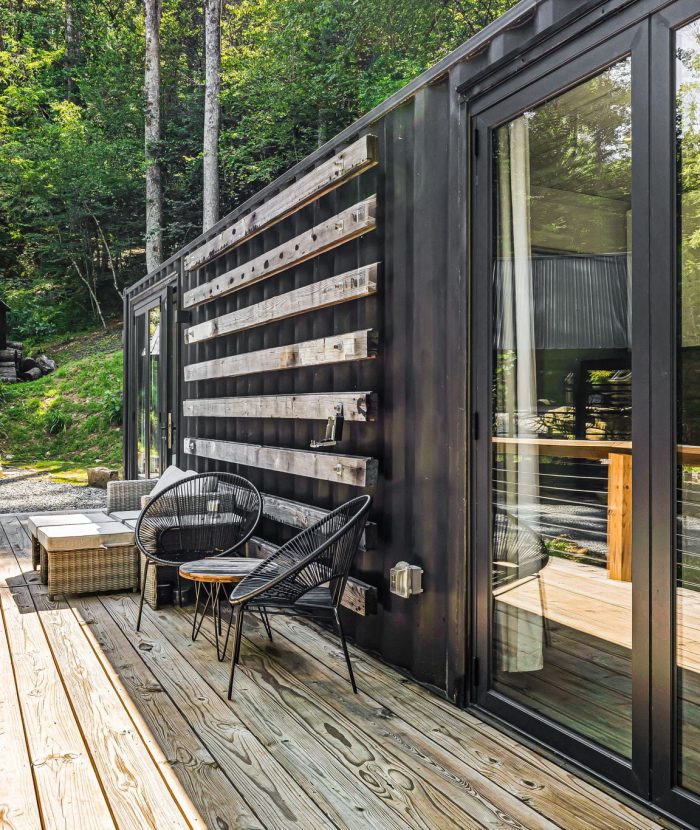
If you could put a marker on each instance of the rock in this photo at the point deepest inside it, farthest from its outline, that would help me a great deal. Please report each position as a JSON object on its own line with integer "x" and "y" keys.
{"x": 14, "y": 344}
{"x": 45, "y": 364}
{"x": 99, "y": 476}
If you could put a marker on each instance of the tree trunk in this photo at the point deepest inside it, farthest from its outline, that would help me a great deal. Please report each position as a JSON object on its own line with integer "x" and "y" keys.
{"x": 71, "y": 46}
{"x": 212, "y": 49}
{"x": 154, "y": 188}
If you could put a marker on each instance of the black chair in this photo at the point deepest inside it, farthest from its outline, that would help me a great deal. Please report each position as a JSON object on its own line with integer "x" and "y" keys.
{"x": 307, "y": 575}
{"x": 518, "y": 551}
{"x": 519, "y": 555}
{"x": 208, "y": 515}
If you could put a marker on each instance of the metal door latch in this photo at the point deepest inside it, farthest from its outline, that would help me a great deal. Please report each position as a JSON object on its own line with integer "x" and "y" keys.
{"x": 334, "y": 429}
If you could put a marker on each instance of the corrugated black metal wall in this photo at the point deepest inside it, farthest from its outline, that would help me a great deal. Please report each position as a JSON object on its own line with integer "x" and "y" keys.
{"x": 409, "y": 437}
{"x": 421, "y": 315}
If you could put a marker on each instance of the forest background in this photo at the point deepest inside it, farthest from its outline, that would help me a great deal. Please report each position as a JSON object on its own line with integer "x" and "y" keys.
{"x": 294, "y": 72}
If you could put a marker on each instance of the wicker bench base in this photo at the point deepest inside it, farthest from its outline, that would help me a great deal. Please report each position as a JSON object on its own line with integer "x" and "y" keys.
{"x": 167, "y": 574}
{"x": 91, "y": 570}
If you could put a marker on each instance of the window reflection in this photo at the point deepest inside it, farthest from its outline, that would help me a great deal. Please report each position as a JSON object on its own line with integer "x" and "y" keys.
{"x": 561, "y": 543}
{"x": 688, "y": 381}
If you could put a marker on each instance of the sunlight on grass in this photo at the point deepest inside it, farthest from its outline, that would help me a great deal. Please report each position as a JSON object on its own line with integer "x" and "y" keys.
{"x": 67, "y": 420}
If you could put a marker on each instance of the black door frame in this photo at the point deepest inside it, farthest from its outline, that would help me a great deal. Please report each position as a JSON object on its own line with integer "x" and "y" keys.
{"x": 540, "y": 83}
{"x": 663, "y": 260}
{"x": 162, "y": 294}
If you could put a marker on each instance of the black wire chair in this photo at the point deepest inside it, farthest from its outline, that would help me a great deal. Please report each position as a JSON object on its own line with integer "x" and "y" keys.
{"x": 519, "y": 555}
{"x": 307, "y": 575}
{"x": 211, "y": 514}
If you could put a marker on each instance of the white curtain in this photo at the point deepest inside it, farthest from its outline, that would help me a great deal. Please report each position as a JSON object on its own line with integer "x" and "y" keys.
{"x": 519, "y": 633}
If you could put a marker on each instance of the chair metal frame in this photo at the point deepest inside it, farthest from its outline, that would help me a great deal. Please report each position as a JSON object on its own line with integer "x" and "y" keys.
{"x": 305, "y": 576}
{"x": 176, "y": 497}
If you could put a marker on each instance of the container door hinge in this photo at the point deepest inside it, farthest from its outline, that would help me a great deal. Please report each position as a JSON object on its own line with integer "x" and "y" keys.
{"x": 476, "y": 674}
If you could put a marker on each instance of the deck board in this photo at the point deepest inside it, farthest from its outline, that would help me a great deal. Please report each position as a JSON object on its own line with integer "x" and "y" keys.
{"x": 145, "y": 717}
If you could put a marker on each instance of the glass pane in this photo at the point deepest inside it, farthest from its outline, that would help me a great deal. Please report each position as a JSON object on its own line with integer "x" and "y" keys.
{"x": 562, "y": 398}
{"x": 154, "y": 403}
{"x": 141, "y": 396}
{"x": 688, "y": 382}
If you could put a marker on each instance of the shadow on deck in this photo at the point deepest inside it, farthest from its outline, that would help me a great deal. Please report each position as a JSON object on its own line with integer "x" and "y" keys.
{"x": 101, "y": 727}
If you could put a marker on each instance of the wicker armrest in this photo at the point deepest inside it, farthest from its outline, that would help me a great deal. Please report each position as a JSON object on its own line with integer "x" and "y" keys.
{"x": 126, "y": 495}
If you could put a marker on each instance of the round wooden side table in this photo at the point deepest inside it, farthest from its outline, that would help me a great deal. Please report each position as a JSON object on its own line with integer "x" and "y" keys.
{"x": 211, "y": 575}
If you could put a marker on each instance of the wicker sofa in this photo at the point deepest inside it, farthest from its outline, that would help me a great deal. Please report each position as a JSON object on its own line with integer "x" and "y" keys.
{"x": 129, "y": 495}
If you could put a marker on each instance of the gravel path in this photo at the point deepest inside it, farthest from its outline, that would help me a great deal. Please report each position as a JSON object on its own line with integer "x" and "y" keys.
{"x": 31, "y": 494}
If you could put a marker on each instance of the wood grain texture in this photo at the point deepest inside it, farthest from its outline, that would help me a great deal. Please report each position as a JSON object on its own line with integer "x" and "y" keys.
{"x": 137, "y": 794}
{"x": 67, "y": 786}
{"x": 203, "y": 791}
{"x": 274, "y": 795}
{"x": 620, "y": 517}
{"x": 357, "y": 406}
{"x": 369, "y": 767}
{"x": 554, "y": 792}
{"x": 345, "y": 469}
{"x": 19, "y": 809}
{"x": 299, "y": 515}
{"x": 352, "y": 285}
{"x": 343, "y": 166}
{"x": 339, "y": 348}
{"x": 295, "y": 747}
{"x": 347, "y": 225}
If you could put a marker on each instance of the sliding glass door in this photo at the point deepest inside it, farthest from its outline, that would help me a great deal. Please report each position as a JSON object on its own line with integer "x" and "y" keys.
{"x": 561, "y": 394}
{"x": 586, "y": 391}
{"x": 562, "y": 406}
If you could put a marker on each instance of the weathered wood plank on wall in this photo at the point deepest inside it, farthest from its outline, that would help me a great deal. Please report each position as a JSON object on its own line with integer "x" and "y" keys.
{"x": 343, "y": 469}
{"x": 350, "y": 162}
{"x": 361, "y": 282}
{"x": 357, "y": 406}
{"x": 355, "y": 345}
{"x": 300, "y": 516}
{"x": 341, "y": 228}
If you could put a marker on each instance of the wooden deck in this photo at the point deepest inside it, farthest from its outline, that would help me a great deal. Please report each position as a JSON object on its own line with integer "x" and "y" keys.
{"x": 101, "y": 727}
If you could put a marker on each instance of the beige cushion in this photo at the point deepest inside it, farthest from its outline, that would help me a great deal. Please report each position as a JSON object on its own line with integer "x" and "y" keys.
{"x": 49, "y": 519}
{"x": 80, "y": 537}
{"x": 124, "y": 515}
{"x": 145, "y": 500}
{"x": 170, "y": 476}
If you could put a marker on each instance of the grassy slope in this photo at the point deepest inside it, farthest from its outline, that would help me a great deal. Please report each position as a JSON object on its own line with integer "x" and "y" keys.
{"x": 71, "y": 418}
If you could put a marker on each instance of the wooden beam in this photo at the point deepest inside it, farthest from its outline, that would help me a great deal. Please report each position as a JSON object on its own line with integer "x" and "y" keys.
{"x": 345, "y": 165}
{"x": 339, "y": 348}
{"x": 357, "y": 406}
{"x": 361, "y": 282}
{"x": 620, "y": 517}
{"x": 347, "y": 225}
{"x": 298, "y": 515}
{"x": 344, "y": 469}
{"x": 358, "y": 596}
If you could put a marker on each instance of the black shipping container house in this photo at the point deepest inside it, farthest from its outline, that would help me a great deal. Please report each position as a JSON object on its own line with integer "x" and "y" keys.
{"x": 480, "y": 302}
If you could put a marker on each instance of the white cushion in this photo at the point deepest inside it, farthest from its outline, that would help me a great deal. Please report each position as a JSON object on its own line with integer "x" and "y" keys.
{"x": 124, "y": 515}
{"x": 170, "y": 476}
{"x": 81, "y": 537}
{"x": 49, "y": 519}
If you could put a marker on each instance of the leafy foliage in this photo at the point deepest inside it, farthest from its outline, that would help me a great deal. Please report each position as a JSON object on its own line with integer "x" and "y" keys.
{"x": 71, "y": 123}
{"x": 72, "y": 415}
